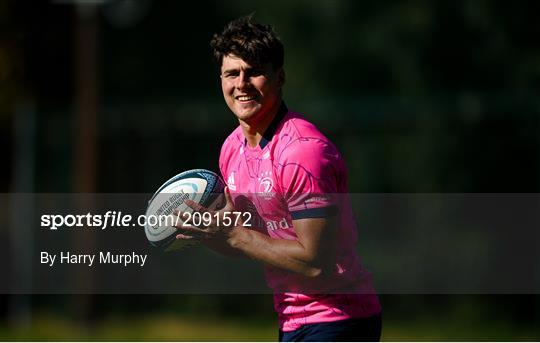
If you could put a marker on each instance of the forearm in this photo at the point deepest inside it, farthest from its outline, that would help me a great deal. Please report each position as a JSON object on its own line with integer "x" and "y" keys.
{"x": 284, "y": 254}
{"x": 222, "y": 247}
{"x": 311, "y": 254}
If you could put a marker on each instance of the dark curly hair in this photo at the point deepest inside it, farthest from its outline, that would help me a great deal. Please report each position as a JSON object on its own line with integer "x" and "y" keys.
{"x": 255, "y": 43}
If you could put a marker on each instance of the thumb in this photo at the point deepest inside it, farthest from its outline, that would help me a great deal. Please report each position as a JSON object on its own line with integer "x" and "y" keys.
{"x": 229, "y": 204}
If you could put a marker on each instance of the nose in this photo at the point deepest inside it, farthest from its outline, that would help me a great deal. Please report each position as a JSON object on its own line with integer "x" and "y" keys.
{"x": 243, "y": 80}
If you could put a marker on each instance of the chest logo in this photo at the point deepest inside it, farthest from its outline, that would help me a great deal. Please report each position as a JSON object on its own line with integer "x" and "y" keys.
{"x": 266, "y": 184}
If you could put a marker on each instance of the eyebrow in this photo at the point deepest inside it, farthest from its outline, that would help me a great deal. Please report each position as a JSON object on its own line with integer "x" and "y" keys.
{"x": 247, "y": 70}
{"x": 228, "y": 71}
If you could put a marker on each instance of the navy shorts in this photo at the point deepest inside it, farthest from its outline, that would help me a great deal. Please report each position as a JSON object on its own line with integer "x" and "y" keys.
{"x": 350, "y": 330}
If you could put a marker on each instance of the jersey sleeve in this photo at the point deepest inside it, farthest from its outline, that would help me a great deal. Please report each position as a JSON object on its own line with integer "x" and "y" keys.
{"x": 310, "y": 172}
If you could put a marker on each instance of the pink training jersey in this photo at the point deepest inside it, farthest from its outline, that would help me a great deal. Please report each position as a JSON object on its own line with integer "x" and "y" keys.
{"x": 296, "y": 172}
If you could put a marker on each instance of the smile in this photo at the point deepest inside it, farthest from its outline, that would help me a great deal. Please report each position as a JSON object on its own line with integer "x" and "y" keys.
{"x": 245, "y": 97}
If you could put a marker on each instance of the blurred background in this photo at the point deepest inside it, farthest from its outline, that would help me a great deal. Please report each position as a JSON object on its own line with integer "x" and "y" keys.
{"x": 117, "y": 96}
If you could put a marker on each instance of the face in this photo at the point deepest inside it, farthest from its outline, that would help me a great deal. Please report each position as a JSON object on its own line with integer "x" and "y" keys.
{"x": 250, "y": 92}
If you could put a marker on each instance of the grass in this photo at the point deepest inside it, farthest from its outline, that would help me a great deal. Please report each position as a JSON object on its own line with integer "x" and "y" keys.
{"x": 155, "y": 328}
{"x": 169, "y": 327}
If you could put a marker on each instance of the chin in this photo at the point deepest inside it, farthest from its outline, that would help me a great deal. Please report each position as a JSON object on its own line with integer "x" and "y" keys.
{"x": 245, "y": 118}
{"x": 246, "y": 115}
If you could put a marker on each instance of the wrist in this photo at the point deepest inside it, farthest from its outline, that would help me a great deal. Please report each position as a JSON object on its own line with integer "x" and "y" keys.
{"x": 237, "y": 237}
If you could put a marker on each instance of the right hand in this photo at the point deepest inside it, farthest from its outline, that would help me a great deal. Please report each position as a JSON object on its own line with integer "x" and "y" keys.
{"x": 220, "y": 220}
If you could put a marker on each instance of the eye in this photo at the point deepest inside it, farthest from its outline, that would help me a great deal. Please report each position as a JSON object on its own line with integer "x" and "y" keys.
{"x": 256, "y": 72}
{"x": 230, "y": 74}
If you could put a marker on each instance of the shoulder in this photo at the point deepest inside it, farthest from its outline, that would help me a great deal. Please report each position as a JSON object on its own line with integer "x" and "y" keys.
{"x": 299, "y": 139}
{"x": 308, "y": 164}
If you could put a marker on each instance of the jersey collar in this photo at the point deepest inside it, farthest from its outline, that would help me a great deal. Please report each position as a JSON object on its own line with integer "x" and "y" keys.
{"x": 271, "y": 129}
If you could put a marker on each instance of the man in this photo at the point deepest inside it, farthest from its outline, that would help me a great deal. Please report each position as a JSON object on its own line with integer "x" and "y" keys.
{"x": 280, "y": 168}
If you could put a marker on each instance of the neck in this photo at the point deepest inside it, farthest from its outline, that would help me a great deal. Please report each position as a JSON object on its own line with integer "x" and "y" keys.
{"x": 253, "y": 131}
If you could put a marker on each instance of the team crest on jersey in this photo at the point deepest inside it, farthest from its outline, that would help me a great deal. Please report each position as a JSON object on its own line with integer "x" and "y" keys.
{"x": 266, "y": 184}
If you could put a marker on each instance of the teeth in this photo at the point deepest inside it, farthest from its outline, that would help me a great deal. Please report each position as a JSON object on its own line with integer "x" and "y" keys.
{"x": 245, "y": 98}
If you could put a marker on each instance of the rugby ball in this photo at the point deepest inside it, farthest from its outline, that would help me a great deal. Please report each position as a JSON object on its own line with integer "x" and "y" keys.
{"x": 200, "y": 185}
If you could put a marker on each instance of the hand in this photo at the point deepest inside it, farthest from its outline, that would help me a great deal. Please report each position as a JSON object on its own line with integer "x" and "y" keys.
{"x": 213, "y": 227}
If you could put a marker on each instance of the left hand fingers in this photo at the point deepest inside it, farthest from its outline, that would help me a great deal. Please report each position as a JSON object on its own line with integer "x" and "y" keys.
{"x": 194, "y": 229}
{"x": 198, "y": 231}
{"x": 183, "y": 236}
{"x": 195, "y": 206}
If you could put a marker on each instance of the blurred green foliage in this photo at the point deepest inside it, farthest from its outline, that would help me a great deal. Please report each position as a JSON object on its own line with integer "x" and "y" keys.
{"x": 420, "y": 96}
